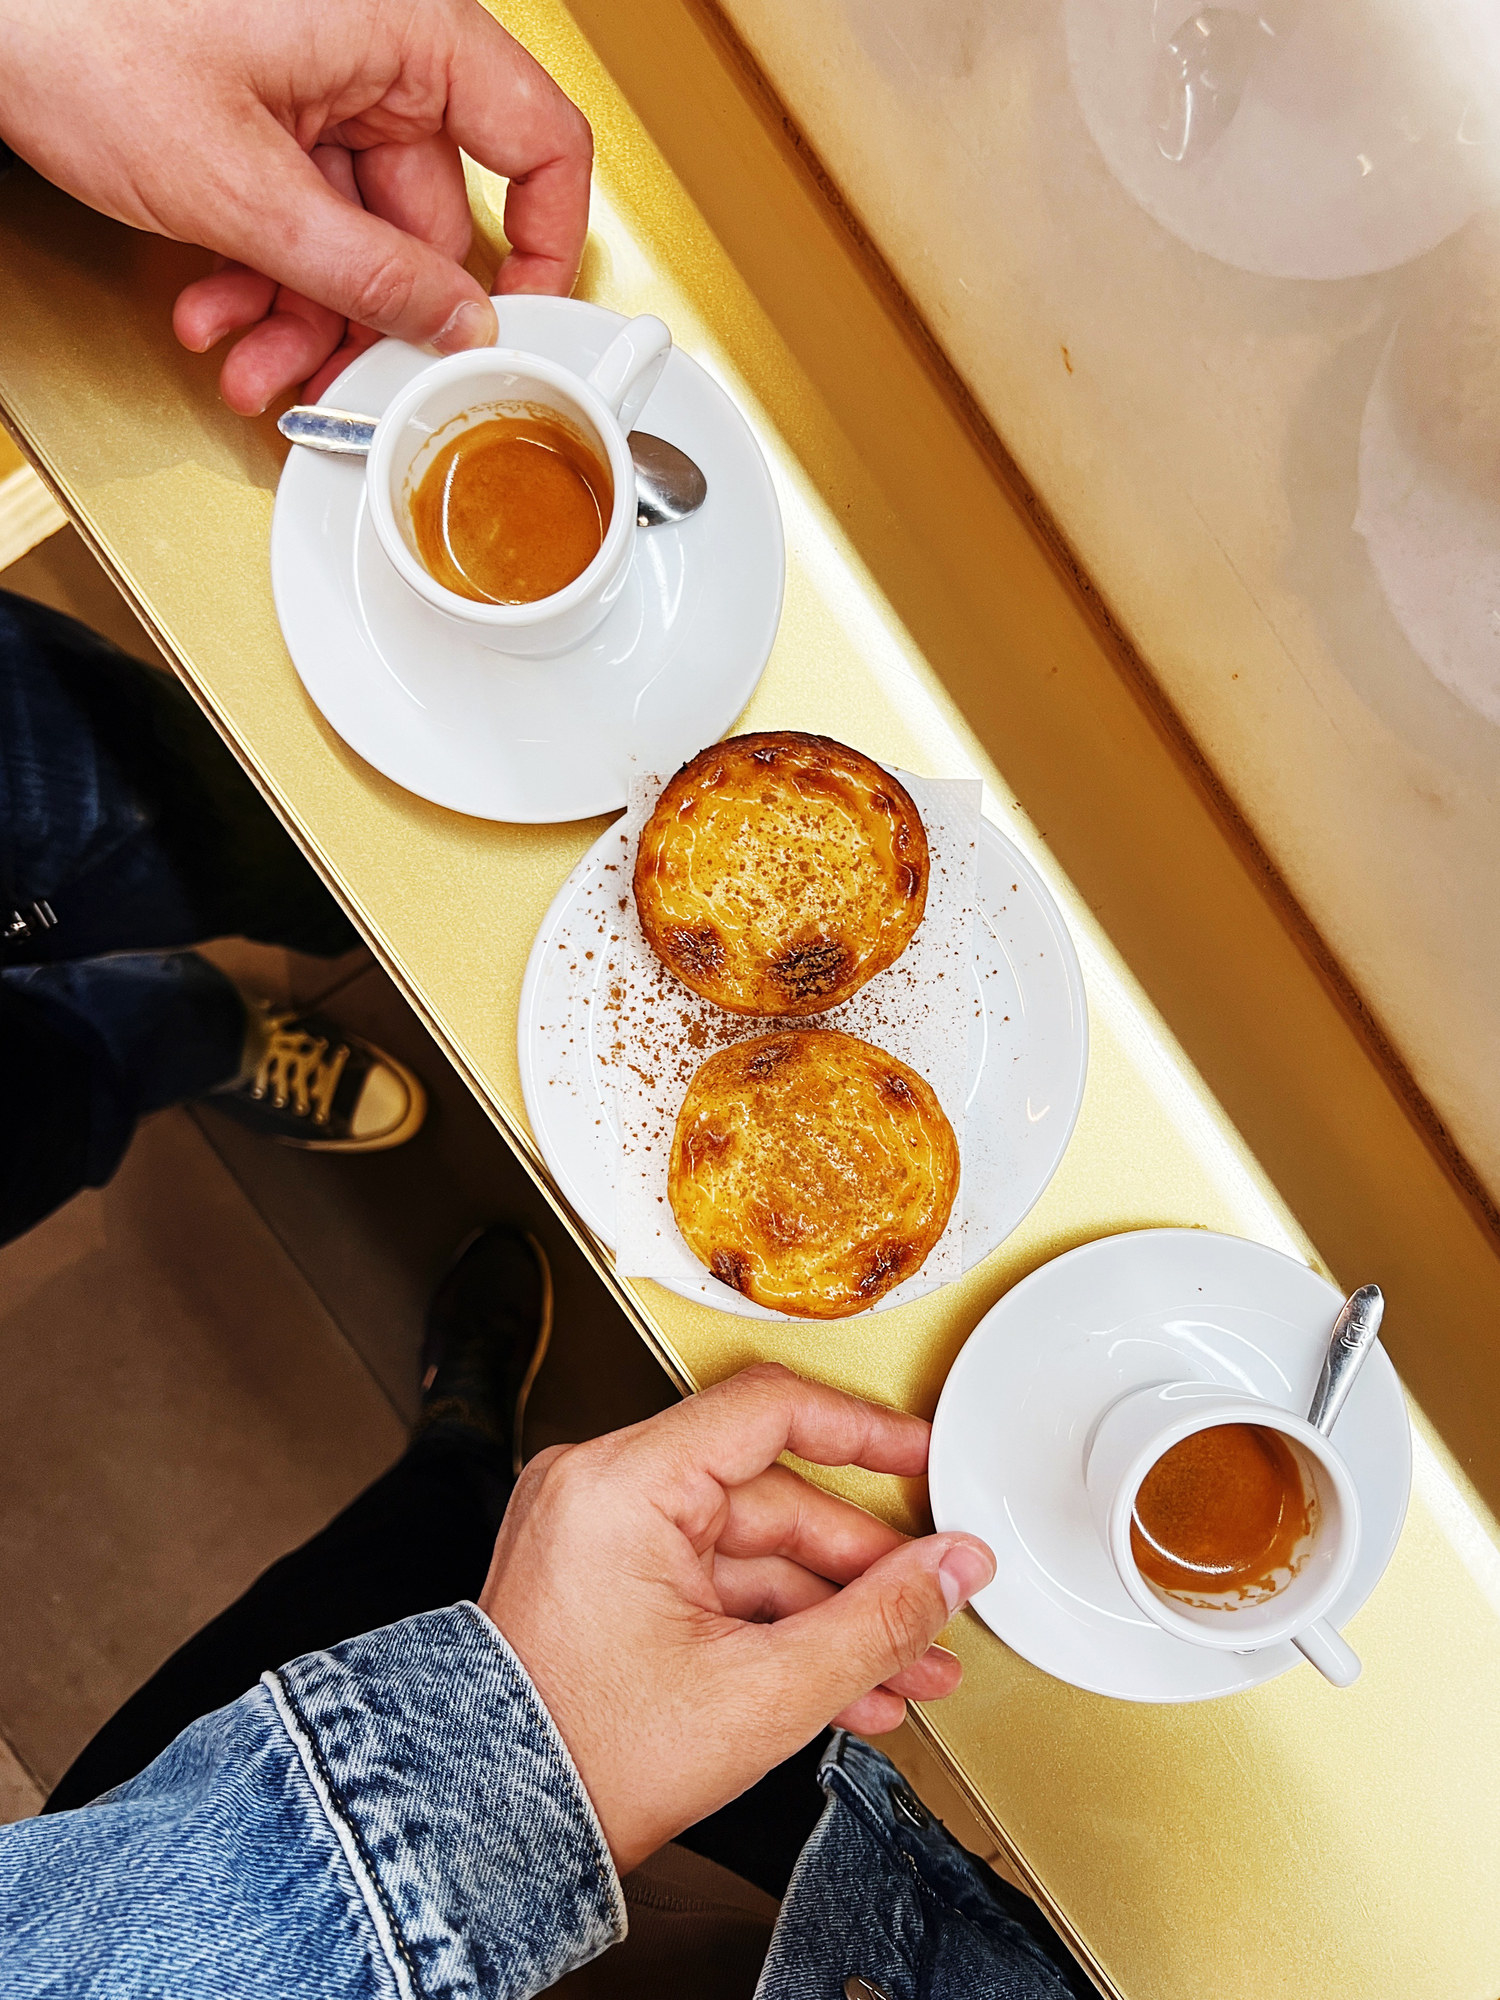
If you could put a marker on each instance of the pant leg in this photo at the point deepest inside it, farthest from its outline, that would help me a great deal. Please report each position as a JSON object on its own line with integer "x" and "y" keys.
{"x": 416, "y": 1540}
{"x": 125, "y": 826}
{"x": 88, "y": 1049}
{"x": 760, "y": 1835}
{"x": 124, "y": 817}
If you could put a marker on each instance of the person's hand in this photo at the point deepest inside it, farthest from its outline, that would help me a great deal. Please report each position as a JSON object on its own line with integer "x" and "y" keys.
{"x": 675, "y": 1596}
{"x": 314, "y": 144}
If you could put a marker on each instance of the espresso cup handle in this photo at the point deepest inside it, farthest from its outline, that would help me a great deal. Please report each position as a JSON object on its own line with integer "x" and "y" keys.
{"x": 630, "y": 367}
{"x": 1327, "y": 1650}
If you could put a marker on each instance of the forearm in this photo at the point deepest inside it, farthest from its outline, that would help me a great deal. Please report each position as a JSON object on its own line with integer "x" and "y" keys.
{"x": 394, "y": 1817}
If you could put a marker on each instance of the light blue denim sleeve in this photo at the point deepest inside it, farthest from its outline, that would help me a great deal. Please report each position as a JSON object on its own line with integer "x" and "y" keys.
{"x": 395, "y": 1819}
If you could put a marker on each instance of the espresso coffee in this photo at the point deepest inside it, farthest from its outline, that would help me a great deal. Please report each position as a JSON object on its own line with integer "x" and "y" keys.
{"x": 1223, "y": 1516}
{"x": 512, "y": 509}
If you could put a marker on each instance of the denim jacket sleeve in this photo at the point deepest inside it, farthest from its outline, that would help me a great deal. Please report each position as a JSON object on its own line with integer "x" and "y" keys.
{"x": 395, "y": 1819}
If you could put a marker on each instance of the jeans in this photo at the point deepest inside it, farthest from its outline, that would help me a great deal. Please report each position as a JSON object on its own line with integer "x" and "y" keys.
{"x": 127, "y": 831}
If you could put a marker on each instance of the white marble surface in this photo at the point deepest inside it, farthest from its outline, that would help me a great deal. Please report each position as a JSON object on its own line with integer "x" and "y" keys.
{"x": 1258, "y": 386}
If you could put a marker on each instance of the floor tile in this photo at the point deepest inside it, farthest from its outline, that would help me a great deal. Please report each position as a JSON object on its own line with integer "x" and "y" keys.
{"x": 20, "y": 1795}
{"x": 178, "y": 1408}
{"x": 270, "y": 973}
{"x": 61, "y": 572}
{"x": 372, "y": 1234}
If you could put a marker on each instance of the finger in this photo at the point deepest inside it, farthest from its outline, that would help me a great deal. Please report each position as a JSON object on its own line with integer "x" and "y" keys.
{"x": 228, "y": 300}
{"x": 779, "y": 1514}
{"x": 762, "y": 1588}
{"x": 874, "y": 1714}
{"x": 283, "y": 350}
{"x": 931, "y": 1678}
{"x": 737, "y": 1428}
{"x": 236, "y": 296}
{"x": 356, "y": 340}
{"x": 542, "y": 216}
{"x": 283, "y": 218}
{"x": 507, "y": 113}
{"x": 876, "y": 1627}
{"x": 336, "y": 165}
{"x": 420, "y": 188}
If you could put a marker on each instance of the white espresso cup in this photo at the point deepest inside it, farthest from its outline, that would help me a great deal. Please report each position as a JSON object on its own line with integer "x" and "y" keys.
{"x": 1138, "y": 1430}
{"x": 467, "y": 389}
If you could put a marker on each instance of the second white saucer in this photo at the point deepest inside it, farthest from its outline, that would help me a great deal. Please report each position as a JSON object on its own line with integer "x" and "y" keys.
{"x": 1022, "y": 1399}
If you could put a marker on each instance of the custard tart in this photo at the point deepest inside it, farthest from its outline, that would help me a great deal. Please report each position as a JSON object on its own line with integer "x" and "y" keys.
{"x": 811, "y": 1171}
{"x": 779, "y": 872}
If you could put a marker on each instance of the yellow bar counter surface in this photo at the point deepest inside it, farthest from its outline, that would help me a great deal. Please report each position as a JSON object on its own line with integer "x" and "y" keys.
{"x": 1290, "y": 1841}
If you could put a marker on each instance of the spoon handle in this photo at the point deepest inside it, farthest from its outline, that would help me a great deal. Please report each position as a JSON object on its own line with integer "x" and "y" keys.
{"x": 338, "y": 431}
{"x": 1354, "y": 1334}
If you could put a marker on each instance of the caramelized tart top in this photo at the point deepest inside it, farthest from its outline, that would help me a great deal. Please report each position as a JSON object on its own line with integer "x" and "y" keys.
{"x": 811, "y": 1171}
{"x": 779, "y": 872}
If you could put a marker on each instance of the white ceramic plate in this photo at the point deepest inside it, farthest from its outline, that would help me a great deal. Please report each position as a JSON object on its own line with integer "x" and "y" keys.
{"x": 1021, "y": 1401}
{"x": 534, "y": 740}
{"x": 1028, "y": 1053}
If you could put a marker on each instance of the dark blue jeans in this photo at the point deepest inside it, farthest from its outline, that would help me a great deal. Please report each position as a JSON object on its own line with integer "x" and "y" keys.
{"x": 127, "y": 831}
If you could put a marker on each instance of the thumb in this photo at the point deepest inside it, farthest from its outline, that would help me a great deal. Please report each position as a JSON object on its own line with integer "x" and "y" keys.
{"x": 306, "y": 236}
{"x": 875, "y": 1627}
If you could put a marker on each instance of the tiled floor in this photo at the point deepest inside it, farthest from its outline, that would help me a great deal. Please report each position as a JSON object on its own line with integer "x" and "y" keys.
{"x": 179, "y": 1407}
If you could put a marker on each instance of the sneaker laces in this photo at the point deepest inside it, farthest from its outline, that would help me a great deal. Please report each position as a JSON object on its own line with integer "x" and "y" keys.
{"x": 298, "y": 1072}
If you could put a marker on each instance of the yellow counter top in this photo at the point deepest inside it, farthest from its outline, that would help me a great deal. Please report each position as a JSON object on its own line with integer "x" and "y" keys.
{"x": 1288, "y": 1841}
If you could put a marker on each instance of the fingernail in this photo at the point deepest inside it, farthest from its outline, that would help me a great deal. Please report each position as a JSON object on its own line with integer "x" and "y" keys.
{"x": 473, "y": 324}
{"x": 962, "y": 1571}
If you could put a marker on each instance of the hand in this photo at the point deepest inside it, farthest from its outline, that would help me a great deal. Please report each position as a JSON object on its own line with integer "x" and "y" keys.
{"x": 691, "y": 1612}
{"x": 314, "y": 144}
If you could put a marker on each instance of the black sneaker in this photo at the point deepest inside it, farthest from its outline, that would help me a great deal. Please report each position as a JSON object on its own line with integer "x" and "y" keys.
{"x": 488, "y": 1325}
{"x": 320, "y": 1087}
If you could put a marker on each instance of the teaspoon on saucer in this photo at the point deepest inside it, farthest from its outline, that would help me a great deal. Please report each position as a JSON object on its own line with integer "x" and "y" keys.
{"x": 669, "y": 486}
{"x": 1354, "y": 1334}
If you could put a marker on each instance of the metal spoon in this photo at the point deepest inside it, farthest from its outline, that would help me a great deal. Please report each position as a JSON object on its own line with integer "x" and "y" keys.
{"x": 1354, "y": 1334}
{"x": 668, "y": 485}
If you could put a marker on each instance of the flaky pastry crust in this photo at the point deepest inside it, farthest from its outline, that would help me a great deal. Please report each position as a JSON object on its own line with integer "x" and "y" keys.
{"x": 811, "y": 1171}
{"x": 779, "y": 872}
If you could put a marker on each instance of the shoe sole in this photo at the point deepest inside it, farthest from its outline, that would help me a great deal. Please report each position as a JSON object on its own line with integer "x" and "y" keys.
{"x": 538, "y": 1356}
{"x": 382, "y": 1142}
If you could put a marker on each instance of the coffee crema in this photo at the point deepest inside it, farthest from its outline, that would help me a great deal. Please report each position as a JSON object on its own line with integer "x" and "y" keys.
{"x": 512, "y": 509}
{"x": 1223, "y": 1517}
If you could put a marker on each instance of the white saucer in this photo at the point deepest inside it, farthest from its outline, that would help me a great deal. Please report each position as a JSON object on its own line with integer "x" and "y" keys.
{"x": 534, "y": 740}
{"x": 1028, "y": 1054}
{"x": 1022, "y": 1398}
